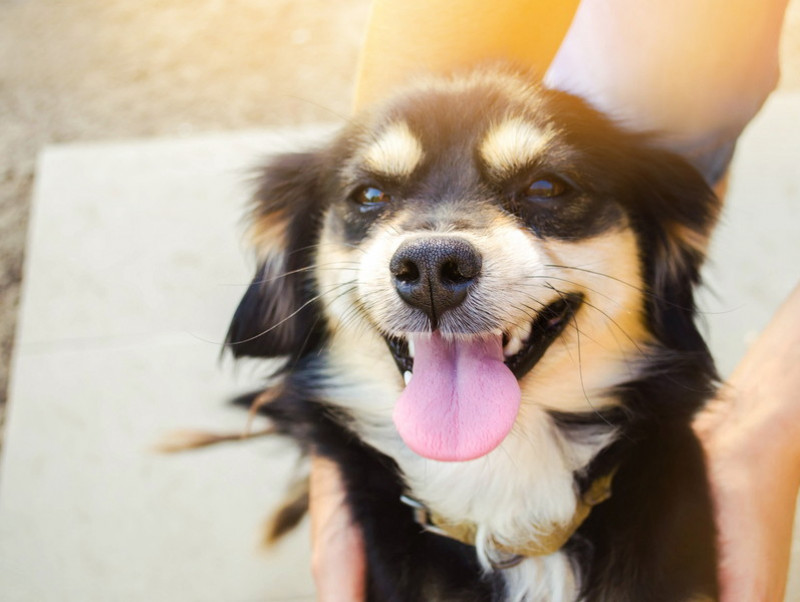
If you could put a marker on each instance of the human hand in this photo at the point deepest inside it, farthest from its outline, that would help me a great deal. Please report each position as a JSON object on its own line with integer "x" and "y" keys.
{"x": 751, "y": 435}
{"x": 338, "y": 561}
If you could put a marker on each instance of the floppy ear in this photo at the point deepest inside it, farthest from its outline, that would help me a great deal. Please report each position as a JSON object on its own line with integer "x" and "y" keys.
{"x": 277, "y": 315}
{"x": 673, "y": 206}
{"x": 678, "y": 211}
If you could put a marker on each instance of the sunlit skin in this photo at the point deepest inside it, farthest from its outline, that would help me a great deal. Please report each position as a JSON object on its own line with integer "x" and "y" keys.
{"x": 751, "y": 437}
{"x": 337, "y": 562}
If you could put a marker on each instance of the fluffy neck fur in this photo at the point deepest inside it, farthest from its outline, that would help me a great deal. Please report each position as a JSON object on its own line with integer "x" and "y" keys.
{"x": 526, "y": 484}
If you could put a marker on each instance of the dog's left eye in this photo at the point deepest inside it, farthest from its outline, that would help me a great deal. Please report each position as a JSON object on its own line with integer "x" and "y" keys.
{"x": 370, "y": 197}
{"x": 546, "y": 188}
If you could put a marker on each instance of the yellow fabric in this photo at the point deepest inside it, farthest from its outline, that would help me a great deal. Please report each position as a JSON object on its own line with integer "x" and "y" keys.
{"x": 419, "y": 36}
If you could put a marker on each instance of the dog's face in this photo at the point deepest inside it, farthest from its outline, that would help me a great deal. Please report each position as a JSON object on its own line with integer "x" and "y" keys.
{"x": 473, "y": 252}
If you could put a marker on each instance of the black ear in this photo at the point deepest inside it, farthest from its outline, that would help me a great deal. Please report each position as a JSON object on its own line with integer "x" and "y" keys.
{"x": 676, "y": 211}
{"x": 278, "y": 315}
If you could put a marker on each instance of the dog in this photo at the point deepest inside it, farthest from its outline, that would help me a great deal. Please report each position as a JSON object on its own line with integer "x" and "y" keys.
{"x": 481, "y": 294}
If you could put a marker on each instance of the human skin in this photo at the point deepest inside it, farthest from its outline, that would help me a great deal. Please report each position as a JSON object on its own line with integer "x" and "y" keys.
{"x": 338, "y": 562}
{"x": 751, "y": 435}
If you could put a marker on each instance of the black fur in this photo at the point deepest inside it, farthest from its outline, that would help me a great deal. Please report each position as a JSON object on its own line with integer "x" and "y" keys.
{"x": 654, "y": 539}
{"x": 278, "y": 316}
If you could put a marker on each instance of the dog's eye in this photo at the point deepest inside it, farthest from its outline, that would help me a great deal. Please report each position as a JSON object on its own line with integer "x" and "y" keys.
{"x": 546, "y": 188}
{"x": 370, "y": 197}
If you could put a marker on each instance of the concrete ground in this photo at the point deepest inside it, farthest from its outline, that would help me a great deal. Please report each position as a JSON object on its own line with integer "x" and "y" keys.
{"x": 92, "y": 71}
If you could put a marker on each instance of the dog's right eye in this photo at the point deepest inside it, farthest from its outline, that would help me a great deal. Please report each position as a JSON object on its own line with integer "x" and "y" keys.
{"x": 369, "y": 197}
{"x": 546, "y": 188}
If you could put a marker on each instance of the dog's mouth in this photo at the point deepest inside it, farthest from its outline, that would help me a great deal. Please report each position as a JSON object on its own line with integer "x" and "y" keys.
{"x": 522, "y": 347}
{"x": 462, "y": 396}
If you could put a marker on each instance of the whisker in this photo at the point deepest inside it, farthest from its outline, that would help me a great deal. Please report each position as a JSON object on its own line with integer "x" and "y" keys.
{"x": 310, "y": 268}
{"x": 580, "y": 364}
{"x": 320, "y": 245}
{"x": 644, "y": 291}
{"x": 314, "y": 299}
{"x": 578, "y": 284}
{"x": 633, "y": 341}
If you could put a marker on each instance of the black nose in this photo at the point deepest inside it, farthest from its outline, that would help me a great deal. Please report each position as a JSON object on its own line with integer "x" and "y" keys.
{"x": 434, "y": 274}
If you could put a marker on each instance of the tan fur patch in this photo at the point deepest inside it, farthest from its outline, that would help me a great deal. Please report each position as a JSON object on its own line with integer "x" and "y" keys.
{"x": 513, "y": 144}
{"x": 691, "y": 238}
{"x": 268, "y": 235}
{"x": 682, "y": 237}
{"x": 522, "y": 92}
{"x": 396, "y": 152}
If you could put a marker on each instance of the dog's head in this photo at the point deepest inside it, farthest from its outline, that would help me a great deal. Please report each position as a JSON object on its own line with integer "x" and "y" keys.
{"x": 493, "y": 244}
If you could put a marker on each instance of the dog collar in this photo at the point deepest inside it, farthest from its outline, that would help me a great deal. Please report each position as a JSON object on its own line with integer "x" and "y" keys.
{"x": 551, "y": 537}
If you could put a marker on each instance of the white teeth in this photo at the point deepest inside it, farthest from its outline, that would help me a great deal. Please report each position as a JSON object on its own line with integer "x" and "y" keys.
{"x": 407, "y": 376}
{"x": 410, "y": 348}
{"x": 516, "y": 339}
{"x": 512, "y": 347}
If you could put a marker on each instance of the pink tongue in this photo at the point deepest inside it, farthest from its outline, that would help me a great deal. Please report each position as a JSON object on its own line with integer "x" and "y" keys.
{"x": 462, "y": 400}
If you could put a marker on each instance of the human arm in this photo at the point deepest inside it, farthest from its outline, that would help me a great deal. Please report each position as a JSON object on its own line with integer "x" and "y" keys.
{"x": 338, "y": 560}
{"x": 751, "y": 434}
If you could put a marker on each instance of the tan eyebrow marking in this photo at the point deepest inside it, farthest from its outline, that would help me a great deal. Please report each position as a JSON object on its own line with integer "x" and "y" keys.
{"x": 396, "y": 152}
{"x": 513, "y": 144}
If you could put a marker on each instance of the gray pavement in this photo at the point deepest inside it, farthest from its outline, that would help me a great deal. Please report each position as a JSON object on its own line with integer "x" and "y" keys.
{"x": 134, "y": 269}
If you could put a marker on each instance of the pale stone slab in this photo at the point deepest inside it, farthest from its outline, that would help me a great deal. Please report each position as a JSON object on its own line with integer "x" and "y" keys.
{"x": 134, "y": 268}
{"x": 755, "y": 253}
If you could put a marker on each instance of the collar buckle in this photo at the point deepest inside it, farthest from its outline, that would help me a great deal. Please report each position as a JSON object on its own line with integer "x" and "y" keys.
{"x": 422, "y": 516}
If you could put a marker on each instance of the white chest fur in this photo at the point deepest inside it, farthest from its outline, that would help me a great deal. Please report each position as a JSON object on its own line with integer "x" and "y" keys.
{"x": 524, "y": 485}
